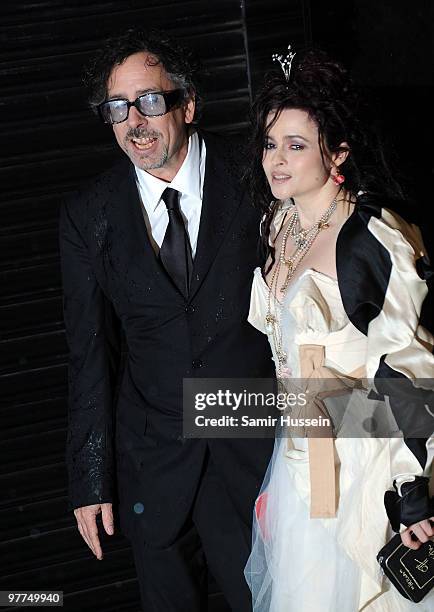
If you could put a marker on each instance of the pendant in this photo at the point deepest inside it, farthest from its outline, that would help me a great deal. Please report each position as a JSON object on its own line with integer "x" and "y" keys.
{"x": 300, "y": 239}
{"x": 300, "y": 242}
{"x": 270, "y": 321}
{"x": 289, "y": 263}
{"x": 282, "y": 356}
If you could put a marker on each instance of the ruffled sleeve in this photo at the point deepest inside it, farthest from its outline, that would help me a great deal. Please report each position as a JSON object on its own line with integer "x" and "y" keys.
{"x": 395, "y": 332}
{"x": 383, "y": 287}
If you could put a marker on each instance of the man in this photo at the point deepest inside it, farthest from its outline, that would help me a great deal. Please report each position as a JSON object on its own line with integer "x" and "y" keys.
{"x": 165, "y": 244}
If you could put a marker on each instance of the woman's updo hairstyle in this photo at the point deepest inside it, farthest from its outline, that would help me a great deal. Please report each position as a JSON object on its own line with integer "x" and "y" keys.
{"x": 323, "y": 88}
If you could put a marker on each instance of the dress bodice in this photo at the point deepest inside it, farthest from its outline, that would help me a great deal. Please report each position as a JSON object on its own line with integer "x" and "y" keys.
{"x": 311, "y": 312}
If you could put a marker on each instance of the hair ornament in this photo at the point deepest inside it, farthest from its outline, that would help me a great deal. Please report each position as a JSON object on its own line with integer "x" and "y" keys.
{"x": 285, "y": 61}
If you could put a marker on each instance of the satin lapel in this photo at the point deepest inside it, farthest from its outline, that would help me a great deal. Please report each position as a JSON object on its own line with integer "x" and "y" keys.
{"x": 220, "y": 203}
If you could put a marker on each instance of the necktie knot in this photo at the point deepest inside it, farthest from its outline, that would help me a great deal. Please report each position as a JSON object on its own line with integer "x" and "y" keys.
{"x": 171, "y": 198}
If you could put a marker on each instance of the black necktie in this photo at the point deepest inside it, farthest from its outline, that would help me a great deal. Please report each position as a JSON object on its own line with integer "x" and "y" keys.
{"x": 175, "y": 252}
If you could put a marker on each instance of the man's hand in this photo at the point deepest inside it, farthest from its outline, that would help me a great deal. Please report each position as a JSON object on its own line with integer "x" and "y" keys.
{"x": 423, "y": 531}
{"x": 86, "y": 520}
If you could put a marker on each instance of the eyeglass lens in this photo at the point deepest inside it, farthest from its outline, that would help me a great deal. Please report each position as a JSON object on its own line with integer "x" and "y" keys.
{"x": 150, "y": 104}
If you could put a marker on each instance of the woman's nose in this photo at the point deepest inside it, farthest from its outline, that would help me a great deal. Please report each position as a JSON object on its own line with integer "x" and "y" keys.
{"x": 279, "y": 156}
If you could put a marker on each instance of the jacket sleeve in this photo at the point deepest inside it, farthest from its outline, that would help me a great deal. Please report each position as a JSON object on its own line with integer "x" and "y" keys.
{"x": 400, "y": 359}
{"x": 93, "y": 344}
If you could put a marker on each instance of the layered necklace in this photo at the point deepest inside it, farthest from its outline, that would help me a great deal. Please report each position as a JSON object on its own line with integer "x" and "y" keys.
{"x": 303, "y": 240}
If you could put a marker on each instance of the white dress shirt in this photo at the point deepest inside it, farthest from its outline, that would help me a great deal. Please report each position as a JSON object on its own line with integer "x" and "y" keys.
{"x": 188, "y": 181}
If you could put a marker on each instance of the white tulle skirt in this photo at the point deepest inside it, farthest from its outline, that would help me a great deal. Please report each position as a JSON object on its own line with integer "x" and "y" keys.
{"x": 297, "y": 564}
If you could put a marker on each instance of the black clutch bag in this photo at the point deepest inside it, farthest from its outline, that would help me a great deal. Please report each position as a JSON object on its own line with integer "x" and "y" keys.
{"x": 410, "y": 571}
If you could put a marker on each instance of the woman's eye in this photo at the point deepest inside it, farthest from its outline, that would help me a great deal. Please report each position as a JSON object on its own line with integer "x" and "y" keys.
{"x": 294, "y": 147}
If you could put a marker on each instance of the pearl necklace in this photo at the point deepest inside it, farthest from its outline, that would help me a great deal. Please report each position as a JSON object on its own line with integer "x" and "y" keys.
{"x": 304, "y": 239}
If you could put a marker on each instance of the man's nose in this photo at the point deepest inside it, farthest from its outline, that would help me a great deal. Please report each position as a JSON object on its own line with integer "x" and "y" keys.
{"x": 136, "y": 119}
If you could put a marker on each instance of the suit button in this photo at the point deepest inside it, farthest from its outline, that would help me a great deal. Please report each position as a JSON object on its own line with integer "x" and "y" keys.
{"x": 189, "y": 309}
{"x": 196, "y": 364}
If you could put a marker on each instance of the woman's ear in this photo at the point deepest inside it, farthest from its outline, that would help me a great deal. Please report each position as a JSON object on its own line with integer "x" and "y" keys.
{"x": 336, "y": 160}
{"x": 339, "y": 157}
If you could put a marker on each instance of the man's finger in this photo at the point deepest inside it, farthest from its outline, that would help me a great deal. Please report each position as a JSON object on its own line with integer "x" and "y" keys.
{"x": 83, "y": 534}
{"x": 107, "y": 518}
{"x": 93, "y": 535}
{"x": 89, "y": 520}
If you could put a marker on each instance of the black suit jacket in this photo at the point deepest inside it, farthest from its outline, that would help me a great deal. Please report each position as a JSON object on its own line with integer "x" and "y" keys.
{"x": 112, "y": 277}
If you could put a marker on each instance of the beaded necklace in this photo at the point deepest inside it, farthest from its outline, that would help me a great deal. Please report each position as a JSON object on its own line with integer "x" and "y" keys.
{"x": 303, "y": 239}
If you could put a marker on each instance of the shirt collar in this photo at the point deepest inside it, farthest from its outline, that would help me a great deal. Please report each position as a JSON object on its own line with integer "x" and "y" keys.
{"x": 187, "y": 179}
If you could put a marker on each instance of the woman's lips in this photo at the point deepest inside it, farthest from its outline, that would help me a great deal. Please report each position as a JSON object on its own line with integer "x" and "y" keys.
{"x": 280, "y": 178}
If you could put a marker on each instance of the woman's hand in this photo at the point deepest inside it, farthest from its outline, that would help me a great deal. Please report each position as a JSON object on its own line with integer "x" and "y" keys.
{"x": 423, "y": 530}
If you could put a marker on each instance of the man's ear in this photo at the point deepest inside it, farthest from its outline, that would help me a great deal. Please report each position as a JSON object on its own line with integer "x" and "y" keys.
{"x": 341, "y": 156}
{"x": 189, "y": 109}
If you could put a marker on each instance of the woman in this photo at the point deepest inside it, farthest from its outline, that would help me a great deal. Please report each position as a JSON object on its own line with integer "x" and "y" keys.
{"x": 339, "y": 297}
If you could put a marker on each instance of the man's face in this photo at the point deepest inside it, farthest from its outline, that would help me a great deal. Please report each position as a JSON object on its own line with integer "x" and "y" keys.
{"x": 155, "y": 144}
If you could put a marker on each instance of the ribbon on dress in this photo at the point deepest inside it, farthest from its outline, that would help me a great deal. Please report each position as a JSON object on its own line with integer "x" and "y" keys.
{"x": 321, "y": 382}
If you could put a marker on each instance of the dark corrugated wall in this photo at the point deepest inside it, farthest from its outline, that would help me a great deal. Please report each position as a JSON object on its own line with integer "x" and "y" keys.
{"x": 51, "y": 141}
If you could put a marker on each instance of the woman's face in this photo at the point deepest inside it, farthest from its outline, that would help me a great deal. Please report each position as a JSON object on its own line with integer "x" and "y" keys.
{"x": 292, "y": 159}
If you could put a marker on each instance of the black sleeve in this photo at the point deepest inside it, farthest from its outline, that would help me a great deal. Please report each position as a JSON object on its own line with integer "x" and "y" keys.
{"x": 92, "y": 333}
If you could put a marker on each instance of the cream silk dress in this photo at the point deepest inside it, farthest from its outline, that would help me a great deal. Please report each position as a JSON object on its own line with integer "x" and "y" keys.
{"x": 305, "y": 564}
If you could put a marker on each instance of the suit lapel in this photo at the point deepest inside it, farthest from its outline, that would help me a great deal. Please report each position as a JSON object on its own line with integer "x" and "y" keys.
{"x": 129, "y": 222}
{"x": 220, "y": 203}
{"x": 129, "y": 249}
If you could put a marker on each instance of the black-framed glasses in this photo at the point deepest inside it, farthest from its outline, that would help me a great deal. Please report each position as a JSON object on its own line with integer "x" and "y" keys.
{"x": 152, "y": 104}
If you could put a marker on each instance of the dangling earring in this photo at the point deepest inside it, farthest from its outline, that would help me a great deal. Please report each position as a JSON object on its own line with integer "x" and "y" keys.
{"x": 338, "y": 178}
